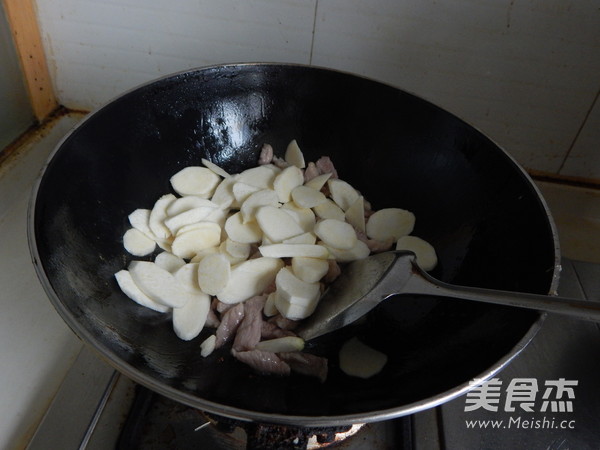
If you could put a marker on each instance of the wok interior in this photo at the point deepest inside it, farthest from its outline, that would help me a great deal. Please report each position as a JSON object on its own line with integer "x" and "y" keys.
{"x": 471, "y": 202}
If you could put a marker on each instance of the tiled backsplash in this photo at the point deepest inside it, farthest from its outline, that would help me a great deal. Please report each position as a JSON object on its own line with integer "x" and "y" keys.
{"x": 526, "y": 73}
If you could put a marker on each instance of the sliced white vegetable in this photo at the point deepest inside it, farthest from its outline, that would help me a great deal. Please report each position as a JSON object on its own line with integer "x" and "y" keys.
{"x": 202, "y": 253}
{"x": 187, "y": 276}
{"x": 286, "y": 181}
{"x": 329, "y": 210}
{"x": 272, "y": 167}
{"x": 223, "y": 195}
{"x": 342, "y": 193}
{"x": 307, "y": 197}
{"x": 390, "y": 223}
{"x": 139, "y": 219}
{"x": 296, "y": 299}
{"x": 188, "y": 202}
{"x": 304, "y": 238}
{"x": 319, "y": 181}
{"x": 216, "y": 169}
{"x": 208, "y": 345}
{"x": 168, "y": 261}
{"x": 237, "y": 249}
{"x": 360, "y": 250}
{"x": 246, "y": 233}
{"x": 270, "y": 309}
{"x": 250, "y": 278}
{"x": 165, "y": 244}
{"x": 294, "y": 250}
{"x": 355, "y": 215}
{"x": 261, "y": 177}
{"x": 359, "y": 360}
{"x": 158, "y": 216}
{"x": 423, "y": 250}
{"x": 195, "y": 180}
{"x": 138, "y": 243}
{"x": 304, "y": 216}
{"x": 194, "y": 215}
{"x": 158, "y": 284}
{"x": 335, "y": 233}
{"x": 187, "y": 245}
{"x": 255, "y": 200}
{"x": 310, "y": 270}
{"x": 189, "y": 320}
{"x": 213, "y": 273}
{"x": 131, "y": 290}
{"x": 218, "y": 216}
{"x": 233, "y": 260}
{"x": 192, "y": 226}
{"x": 241, "y": 191}
{"x": 277, "y": 224}
{"x": 282, "y": 344}
{"x": 293, "y": 155}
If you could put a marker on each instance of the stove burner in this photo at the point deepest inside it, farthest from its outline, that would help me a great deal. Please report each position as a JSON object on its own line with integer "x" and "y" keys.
{"x": 269, "y": 436}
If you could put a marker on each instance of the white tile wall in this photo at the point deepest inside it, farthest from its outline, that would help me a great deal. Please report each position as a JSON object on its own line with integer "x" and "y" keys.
{"x": 524, "y": 72}
{"x": 98, "y": 49}
{"x": 513, "y": 69}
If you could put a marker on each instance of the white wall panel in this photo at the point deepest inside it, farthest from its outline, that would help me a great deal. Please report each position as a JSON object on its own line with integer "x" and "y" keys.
{"x": 98, "y": 49}
{"x": 524, "y": 72}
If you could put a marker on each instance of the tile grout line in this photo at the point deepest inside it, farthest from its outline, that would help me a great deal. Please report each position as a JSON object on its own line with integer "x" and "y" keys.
{"x": 314, "y": 27}
{"x": 579, "y": 130}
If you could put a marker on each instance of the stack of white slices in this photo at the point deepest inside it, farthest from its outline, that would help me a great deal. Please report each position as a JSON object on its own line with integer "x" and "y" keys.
{"x": 264, "y": 230}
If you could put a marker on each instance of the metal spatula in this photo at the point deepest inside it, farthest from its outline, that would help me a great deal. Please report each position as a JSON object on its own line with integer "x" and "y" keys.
{"x": 365, "y": 283}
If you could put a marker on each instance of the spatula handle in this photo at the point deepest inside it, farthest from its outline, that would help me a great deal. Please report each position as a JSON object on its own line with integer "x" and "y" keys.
{"x": 422, "y": 283}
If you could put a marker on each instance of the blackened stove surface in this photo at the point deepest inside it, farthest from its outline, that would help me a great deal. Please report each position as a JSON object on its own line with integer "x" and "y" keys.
{"x": 155, "y": 422}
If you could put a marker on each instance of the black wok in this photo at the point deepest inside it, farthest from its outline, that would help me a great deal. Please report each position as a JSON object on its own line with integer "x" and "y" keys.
{"x": 477, "y": 207}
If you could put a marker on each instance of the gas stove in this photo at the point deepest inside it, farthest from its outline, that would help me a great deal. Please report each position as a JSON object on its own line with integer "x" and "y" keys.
{"x": 97, "y": 408}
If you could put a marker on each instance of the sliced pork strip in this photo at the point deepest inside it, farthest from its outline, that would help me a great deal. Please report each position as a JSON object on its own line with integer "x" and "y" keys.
{"x": 249, "y": 332}
{"x": 220, "y": 307}
{"x": 270, "y": 330}
{"x": 311, "y": 171}
{"x": 266, "y": 155}
{"x": 306, "y": 364}
{"x": 280, "y": 162}
{"x": 283, "y": 322}
{"x": 325, "y": 165}
{"x": 230, "y": 321}
{"x": 263, "y": 362}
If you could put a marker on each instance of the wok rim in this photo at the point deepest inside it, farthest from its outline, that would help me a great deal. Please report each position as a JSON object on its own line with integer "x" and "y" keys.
{"x": 247, "y": 415}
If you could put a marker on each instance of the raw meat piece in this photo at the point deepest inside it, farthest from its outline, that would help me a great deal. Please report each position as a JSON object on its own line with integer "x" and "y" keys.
{"x": 230, "y": 321}
{"x": 311, "y": 171}
{"x": 263, "y": 362}
{"x": 266, "y": 155}
{"x": 270, "y": 330}
{"x": 249, "y": 331}
{"x": 325, "y": 165}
